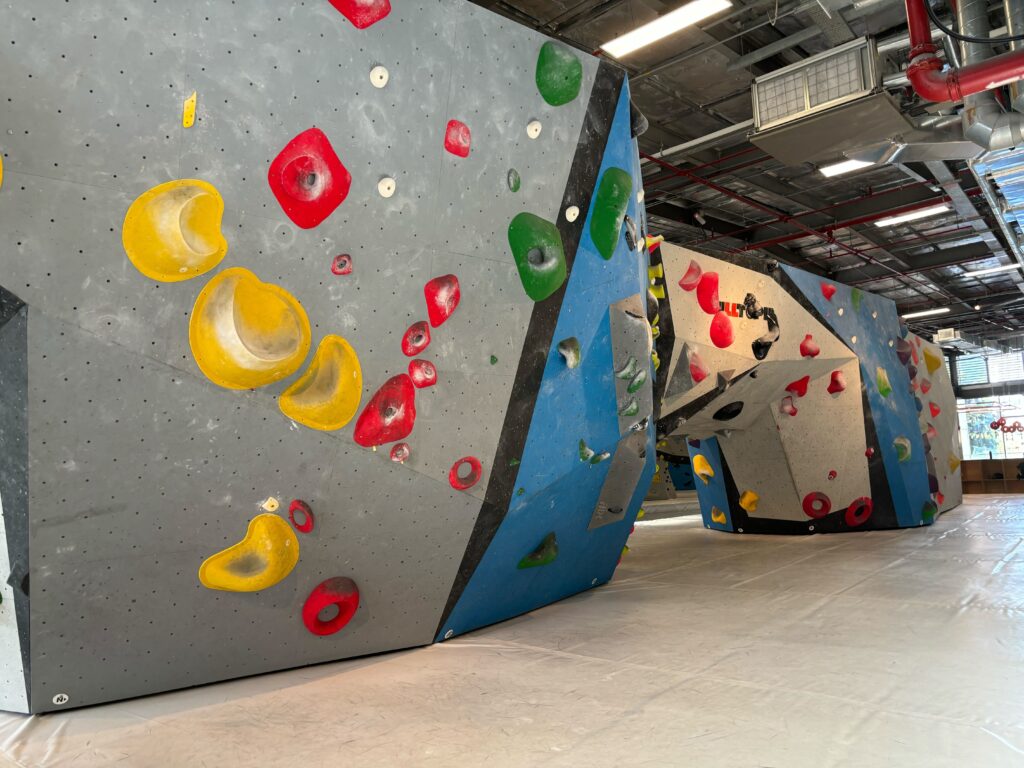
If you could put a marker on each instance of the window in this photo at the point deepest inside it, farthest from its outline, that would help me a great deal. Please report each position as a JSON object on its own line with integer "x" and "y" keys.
{"x": 1005, "y": 368}
{"x": 971, "y": 370}
{"x": 979, "y": 439}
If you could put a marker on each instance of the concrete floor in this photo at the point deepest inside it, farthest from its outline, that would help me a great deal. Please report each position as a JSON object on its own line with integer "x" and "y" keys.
{"x": 901, "y": 648}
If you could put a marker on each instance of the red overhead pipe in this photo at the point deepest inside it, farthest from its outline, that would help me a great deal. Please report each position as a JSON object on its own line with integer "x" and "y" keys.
{"x": 925, "y": 70}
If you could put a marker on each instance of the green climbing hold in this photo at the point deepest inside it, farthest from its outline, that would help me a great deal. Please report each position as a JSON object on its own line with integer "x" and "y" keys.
{"x": 602, "y": 456}
{"x": 856, "y": 295}
{"x": 629, "y": 370}
{"x": 513, "y": 179}
{"x": 559, "y": 74}
{"x": 882, "y": 379}
{"x": 632, "y": 408}
{"x": 494, "y": 359}
{"x": 902, "y": 446}
{"x": 929, "y": 511}
{"x": 513, "y": 462}
{"x": 520, "y": 492}
{"x": 610, "y": 203}
{"x": 637, "y": 381}
{"x": 537, "y": 248}
{"x": 570, "y": 350}
{"x": 586, "y": 454}
{"x": 545, "y": 553}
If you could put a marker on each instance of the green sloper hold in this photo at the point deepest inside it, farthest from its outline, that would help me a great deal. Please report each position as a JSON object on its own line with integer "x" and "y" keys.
{"x": 856, "y": 294}
{"x": 559, "y": 74}
{"x": 537, "y": 248}
{"x": 902, "y": 446}
{"x": 882, "y": 379}
{"x": 929, "y": 511}
{"x": 543, "y": 554}
{"x": 610, "y": 203}
{"x": 570, "y": 350}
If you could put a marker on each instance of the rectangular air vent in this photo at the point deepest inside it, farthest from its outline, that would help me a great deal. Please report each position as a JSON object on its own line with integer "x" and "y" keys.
{"x": 820, "y": 82}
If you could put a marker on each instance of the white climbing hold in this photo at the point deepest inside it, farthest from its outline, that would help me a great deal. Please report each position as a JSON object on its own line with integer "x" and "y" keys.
{"x": 386, "y": 186}
{"x": 572, "y": 213}
{"x": 533, "y": 129}
{"x": 379, "y": 76}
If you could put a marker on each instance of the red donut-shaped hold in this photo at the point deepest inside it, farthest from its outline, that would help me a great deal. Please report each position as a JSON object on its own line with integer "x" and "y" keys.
{"x": 859, "y": 511}
{"x": 466, "y": 482}
{"x": 339, "y": 591}
{"x": 817, "y": 504}
{"x": 298, "y": 505}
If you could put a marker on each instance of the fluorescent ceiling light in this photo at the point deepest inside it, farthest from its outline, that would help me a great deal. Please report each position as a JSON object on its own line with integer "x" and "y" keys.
{"x": 664, "y": 26}
{"x": 846, "y": 166}
{"x": 993, "y": 270}
{"x": 923, "y": 213}
{"x": 926, "y": 313}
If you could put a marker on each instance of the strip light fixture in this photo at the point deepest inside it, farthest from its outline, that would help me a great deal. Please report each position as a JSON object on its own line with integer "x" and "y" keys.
{"x": 993, "y": 270}
{"x": 846, "y": 166}
{"x": 666, "y": 25}
{"x": 923, "y": 213}
{"x": 926, "y": 313}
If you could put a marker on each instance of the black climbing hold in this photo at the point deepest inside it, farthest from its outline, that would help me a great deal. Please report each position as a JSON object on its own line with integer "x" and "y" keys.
{"x": 730, "y": 411}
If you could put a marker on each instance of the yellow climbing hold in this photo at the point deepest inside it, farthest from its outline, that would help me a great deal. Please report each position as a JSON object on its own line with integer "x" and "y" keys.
{"x": 658, "y": 291}
{"x": 702, "y": 469}
{"x": 245, "y": 333}
{"x": 748, "y": 500}
{"x": 656, "y": 360}
{"x": 932, "y": 359}
{"x": 172, "y": 231}
{"x": 652, "y": 241}
{"x": 718, "y": 516}
{"x": 327, "y": 395}
{"x": 640, "y": 514}
{"x": 266, "y": 555}
{"x": 954, "y": 463}
{"x": 655, "y": 272}
{"x": 188, "y": 111}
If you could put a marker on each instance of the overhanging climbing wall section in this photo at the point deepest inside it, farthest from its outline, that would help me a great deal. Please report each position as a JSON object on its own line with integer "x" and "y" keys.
{"x": 286, "y": 280}
{"x": 806, "y": 405}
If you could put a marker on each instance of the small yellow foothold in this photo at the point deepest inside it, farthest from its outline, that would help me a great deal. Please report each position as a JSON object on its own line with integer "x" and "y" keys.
{"x": 954, "y": 463}
{"x": 655, "y": 331}
{"x": 625, "y": 551}
{"x": 663, "y": 443}
{"x": 658, "y": 291}
{"x": 640, "y": 514}
{"x": 702, "y": 469}
{"x": 656, "y": 271}
{"x": 718, "y": 516}
{"x": 188, "y": 111}
{"x": 654, "y": 240}
{"x": 265, "y": 556}
{"x": 270, "y": 504}
{"x": 749, "y": 501}
{"x": 656, "y": 360}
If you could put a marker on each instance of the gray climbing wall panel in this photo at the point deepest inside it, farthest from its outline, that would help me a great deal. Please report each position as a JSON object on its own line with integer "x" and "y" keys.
{"x": 141, "y": 466}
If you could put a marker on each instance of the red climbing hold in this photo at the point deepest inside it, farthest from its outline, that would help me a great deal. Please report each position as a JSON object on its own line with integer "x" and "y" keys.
{"x": 456, "y": 138}
{"x": 400, "y": 452}
{"x": 298, "y": 505}
{"x": 838, "y": 383}
{"x": 869, "y": 452}
{"x": 308, "y": 179}
{"x": 342, "y": 264}
{"x": 787, "y": 407}
{"x": 416, "y": 339}
{"x": 816, "y": 504}
{"x": 390, "y": 414}
{"x": 338, "y": 591}
{"x": 934, "y": 409}
{"x": 363, "y": 13}
{"x": 859, "y": 511}
{"x": 808, "y": 347}
{"x": 443, "y": 296}
{"x": 693, "y": 274}
{"x": 939, "y": 498}
{"x": 707, "y": 293}
{"x": 465, "y": 481}
{"x": 698, "y": 371}
{"x": 799, "y": 387}
{"x": 721, "y": 330}
{"x": 828, "y": 291}
{"x": 423, "y": 373}
{"x": 832, "y": 474}
{"x": 926, "y": 385}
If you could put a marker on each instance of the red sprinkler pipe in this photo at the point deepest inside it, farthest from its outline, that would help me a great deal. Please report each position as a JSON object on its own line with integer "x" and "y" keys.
{"x": 925, "y": 70}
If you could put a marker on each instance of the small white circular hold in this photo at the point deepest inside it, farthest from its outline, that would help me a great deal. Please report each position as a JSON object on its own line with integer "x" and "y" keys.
{"x": 853, "y": 339}
{"x": 386, "y": 186}
{"x": 379, "y": 76}
{"x": 533, "y": 129}
{"x": 874, "y": 315}
{"x": 640, "y": 196}
{"x": 810, "y": 527}
{"x": 840, "y": 311}
{"x": 61, "y": 698}
{"x": 891, "y": 342}
{"x": 270, "y": 504}
{"x": 593, "y": 582}
{"x": 572, "y": 213}
{"x": 449, "y": 634}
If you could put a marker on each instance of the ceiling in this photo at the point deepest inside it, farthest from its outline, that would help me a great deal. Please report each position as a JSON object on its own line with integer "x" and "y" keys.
{"x": 723, "y": 194}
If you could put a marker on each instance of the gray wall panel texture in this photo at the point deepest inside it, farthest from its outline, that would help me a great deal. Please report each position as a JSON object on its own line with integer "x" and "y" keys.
{"x": 140, "y": 467}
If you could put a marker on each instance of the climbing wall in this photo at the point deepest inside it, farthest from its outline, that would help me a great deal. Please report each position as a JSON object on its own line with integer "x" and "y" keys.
{"x": 322, "y": 325}
{"x": 807, "y": 406}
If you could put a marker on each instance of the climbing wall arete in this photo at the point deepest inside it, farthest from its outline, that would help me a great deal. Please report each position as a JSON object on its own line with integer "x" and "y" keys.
{"x": 324, "y": 331}
{"x": 806, "y": 404}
